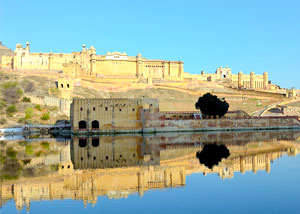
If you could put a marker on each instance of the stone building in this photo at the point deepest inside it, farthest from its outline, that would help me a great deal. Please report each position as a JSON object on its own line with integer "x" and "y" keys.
{"x": 87, "y": 63}
{"x": 112, "y": 114}
{"x": 65, "y": 86}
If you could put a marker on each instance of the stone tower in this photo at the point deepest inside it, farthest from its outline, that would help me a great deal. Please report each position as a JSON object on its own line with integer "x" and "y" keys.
{"x": 138, "y": 65}
{"x": 65, "y": 86}
{"x": 252, "y": 80}
{"x": 240, "y": 80}
{"x": 266, "y": 81}
{"x": 27, "y": 49}
{"x": 93, "y": 60}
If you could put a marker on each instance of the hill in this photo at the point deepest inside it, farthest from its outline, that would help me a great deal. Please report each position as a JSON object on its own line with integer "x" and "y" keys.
{"x": 173, "y": 96}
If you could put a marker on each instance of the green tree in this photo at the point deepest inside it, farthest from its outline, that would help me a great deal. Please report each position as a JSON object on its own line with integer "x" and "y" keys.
{"x": 38, "y": 107}
{"x": 28, "y": 113}
{"x": 11, "y": 110}
{"x": 2, "y": 104}
{"x": 45, "y": 116}
{"x": 211, "y": 105}
{"x": 26, "y": 100}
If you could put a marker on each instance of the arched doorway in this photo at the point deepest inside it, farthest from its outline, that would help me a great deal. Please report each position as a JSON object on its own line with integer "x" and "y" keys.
{"x": 82, "y": 124}
{"x": 95, "y": 124}
{"x": 95, "y": 142}
{"x": 82, "y": 142}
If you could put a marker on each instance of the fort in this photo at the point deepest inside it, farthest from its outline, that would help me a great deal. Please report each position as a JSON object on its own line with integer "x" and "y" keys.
{"x": 87, "y": 64}
{"x": 84, "y": 73}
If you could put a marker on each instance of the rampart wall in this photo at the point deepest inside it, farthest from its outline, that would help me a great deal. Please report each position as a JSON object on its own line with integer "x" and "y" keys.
{"x": 87, "y": 63}
{"x": 250, "y": 92}
{"x": 157, "y": 123}
{"x": 62, "y": 104}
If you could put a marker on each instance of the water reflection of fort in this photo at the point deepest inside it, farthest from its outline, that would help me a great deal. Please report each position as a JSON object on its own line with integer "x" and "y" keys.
{"x": 122, "y": 165}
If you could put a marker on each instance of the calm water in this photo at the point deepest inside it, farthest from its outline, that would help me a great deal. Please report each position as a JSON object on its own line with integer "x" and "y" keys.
{"x": 230, "y": 172}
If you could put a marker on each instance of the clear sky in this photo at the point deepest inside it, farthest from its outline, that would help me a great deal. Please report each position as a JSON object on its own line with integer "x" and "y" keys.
{"x": 247, "y": 35}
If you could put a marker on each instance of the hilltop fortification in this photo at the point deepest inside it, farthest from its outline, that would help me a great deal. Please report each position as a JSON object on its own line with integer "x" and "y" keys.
{"x": 87, "y": 63}
{"x": 115, "y": 66}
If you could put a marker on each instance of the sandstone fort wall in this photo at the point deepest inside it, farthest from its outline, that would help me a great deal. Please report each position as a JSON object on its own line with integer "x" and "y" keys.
{"x": 62, "y": 104}
{"x": 87, "y": 63}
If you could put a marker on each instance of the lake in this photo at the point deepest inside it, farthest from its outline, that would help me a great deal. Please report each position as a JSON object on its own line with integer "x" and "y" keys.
{"x": 205, "y": 172}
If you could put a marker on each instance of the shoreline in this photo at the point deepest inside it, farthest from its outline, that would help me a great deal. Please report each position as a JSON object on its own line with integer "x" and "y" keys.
{"x": 154, "y": 131}
{"x": 168, "y": 126}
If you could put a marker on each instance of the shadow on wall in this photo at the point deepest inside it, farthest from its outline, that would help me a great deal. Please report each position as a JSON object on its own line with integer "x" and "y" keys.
{"x": 212, "y": 154}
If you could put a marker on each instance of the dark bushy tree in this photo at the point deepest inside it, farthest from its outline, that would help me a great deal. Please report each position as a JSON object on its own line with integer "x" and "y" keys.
{"x": 211, "y": 105}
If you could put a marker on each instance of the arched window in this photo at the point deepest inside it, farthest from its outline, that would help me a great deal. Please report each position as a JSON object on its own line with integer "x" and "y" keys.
{"x": 68, "y": 86}
{"x": 95, "y": 142}
{"x": 62, "y": 85}
{"x": 82, "y": 142}
{"x": 82, "y": 124}
{"x": 95, "y": 124}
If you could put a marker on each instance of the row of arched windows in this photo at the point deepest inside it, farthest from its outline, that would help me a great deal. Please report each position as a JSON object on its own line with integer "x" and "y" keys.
{"x": 83, "y": 124}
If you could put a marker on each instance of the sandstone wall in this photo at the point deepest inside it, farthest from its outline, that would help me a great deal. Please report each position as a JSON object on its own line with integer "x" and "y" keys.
{"x": 156, "y": 125}
{"x": 62, "y": 104}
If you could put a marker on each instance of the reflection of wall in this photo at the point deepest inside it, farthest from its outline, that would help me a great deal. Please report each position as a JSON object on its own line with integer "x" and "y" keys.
{"x": 107, "y": 152}
{"x": 245, "y": 163}
{"x": 229, "y": 138}
{"x": 173, "y": 154}
{"x": 91, "y": 184}
{"x": 120, "y": 182}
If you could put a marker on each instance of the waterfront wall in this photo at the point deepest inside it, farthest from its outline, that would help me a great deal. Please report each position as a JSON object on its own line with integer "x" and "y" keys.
{"x": 142, "y": 115}
{"x": 152, "y": 124}
{"x": 252, "y": 92}
{"x": 187, "y": 140}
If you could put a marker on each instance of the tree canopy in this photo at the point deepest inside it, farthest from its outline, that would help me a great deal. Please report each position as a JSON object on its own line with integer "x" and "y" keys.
{"x": 211, "y": 105}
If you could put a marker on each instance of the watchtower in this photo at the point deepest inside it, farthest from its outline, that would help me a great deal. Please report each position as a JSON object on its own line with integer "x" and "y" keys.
{"x": 65, "y": 86}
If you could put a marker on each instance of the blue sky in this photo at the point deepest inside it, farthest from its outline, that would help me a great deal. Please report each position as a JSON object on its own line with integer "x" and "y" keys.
{"x": 253, "y": 35}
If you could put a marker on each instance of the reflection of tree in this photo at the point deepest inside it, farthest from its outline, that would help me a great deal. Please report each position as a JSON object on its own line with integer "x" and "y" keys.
{"x": 212, "y": 154}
